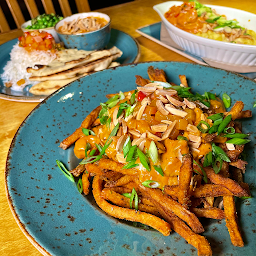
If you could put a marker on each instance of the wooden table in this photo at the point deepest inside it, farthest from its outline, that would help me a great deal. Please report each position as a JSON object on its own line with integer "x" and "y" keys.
{"x": 125, "y": 17}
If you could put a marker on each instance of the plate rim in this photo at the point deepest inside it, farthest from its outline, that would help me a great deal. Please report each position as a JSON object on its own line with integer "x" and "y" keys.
{"x": 40, "y": 98}
{"x": 22, "y": 125}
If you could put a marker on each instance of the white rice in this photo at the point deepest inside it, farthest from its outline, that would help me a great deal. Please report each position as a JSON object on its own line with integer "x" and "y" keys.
{"x": 16, "y": 68}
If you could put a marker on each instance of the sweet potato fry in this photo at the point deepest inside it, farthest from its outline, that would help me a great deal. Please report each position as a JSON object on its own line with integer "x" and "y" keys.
{"x": 244, "y": 114}
{"x": 118, "y": 167}
{"x": 125, "y": 94}
{"x": 209, "y": 212}
{"x": 211, "y": 190}
{"x": 183, "y": 80}
{"x": 78, "y": 170}
{"x": 173, "y": 206}
{"x": 230, "y": 184}
{"x": 236, "y": 110}
{"x": 123, "y": 201}
{"x": 128, "y": 214}
{"x": 120, "y": 182}
{"x": 140, "y": 81}
{"x": 231, "y": 221}
{"x": 86, "y": 183}
{"x": 156, "y": 74}
{"x": 88, "y": 121}
{"x": 185, "y": 176}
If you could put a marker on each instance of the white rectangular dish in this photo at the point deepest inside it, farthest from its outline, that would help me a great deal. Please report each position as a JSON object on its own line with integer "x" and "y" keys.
{"x": 215, "y": 51}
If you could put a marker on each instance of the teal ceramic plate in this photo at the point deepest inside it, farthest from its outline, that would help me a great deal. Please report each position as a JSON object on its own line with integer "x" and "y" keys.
{"x": 123, "y": 41}
{"x": 60, "y": 221}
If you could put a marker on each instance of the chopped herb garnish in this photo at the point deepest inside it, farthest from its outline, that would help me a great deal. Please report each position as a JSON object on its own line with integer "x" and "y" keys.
{"x": 133, "y": 97}
{"x": 226, "y": 100}
{"x": 153, "y": 152}
{"x": 238, "y": 141}
{"x": 229, "y": 130}
{"x": 224, "y": 123}
{"x": 88, "y": 132}
{"x": 131, "y": 164}
{"x": 236, "y": 135}
{"x": 131, "y": 153}
{"x": 215, "y": 165}
{"x": 159, "y": 169}
{"x": 143, "y": 159}
{"x": 219, "y": 152}
{"x": 150, "y": 184}
{"x": 200, "y": 126}
{"x": 80, "y": 186}
{"x": 208, "y": 159}
{"x": 65, "y": 171}
{"x": 181, "y": 138}
{"x": 127, "y": 145}
{"x": 215, "y": 116}
{"x": 203, "y": 172}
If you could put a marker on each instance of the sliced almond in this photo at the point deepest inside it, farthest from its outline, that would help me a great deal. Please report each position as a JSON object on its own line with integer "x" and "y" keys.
{"x": 124, "y": 125}
{"x": 144, "y": 135}
{"x": 192, "y": 128}
{"x": 135, "y": 133}
{"x": 163, "y": 99}
{"x": 137, "y": 141}
{"x": 115, "y": 119}
{"x": 140, "y": 112}
{"x": 119, "y": 133}
{"x": 159, "y": 127}
{"x": 120, "y": 158}
{"x": 230, "y": 146}
{"x": 194, "y": 145}
{"x": 120, "y": 143}
{"x": 157, "y": 85}
{"x": 175, "y": 111}
{"x": 141, "y": 145}
{"x": 189, "y": 104}
{"x": 147, "y": 89}
{"x": 201, "y": 105}
{"x": 153, "y": 136}
{"x": 195, "y": 138}
{"x": 174, "y": 101}
{"x": 169, "y": 130}
{"x": 146, "y": 101}
{"x": 167, "y": 121}
{"x": 180, "y": 157}
{"x": 166, "y": 92}
{"x": 161, "y": 108}
{"x": 194, "y": 150}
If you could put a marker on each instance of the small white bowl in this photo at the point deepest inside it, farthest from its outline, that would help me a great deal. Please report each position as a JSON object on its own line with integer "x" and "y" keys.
{"x": 234, "y": 54}
{"x": 50, "y": 30}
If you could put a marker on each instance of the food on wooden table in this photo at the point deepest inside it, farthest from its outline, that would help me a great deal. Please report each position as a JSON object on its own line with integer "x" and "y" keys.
{"x": 163, "y": 156}
{"x": 203, "y": 21}
{"x": 37, "y": 60}
{"x": 82, "y": 25}
{"x": 44, "y": 21}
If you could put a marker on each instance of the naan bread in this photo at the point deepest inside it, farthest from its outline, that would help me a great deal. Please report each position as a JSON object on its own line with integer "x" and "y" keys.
{"x": 69, "y": 58}
{"x": 97, "y": 65}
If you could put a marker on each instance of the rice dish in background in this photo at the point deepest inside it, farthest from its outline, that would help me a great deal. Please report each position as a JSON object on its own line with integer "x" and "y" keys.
{"x": 15, "y": 72}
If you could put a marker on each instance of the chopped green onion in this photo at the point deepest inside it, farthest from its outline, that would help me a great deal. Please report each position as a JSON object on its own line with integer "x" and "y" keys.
{"x": 128, "y": 195}
{"x": 245, "y": 197}
{"x": 181, "y": 138}
{"x": 143, "y": 159}
{"x": 153, "y": 152}
{"x": 201, "y": 129}
{"x": 150, "y": 184}
{"x": 215, "y": 116}
{"x": 213, "y": 129}
{"x": 122, "y": 96}
{"x": 217, "y": 122}
{"x": 80, "y": 186}
{"x": 218, "y": 152}
{"x": 254, "y": 104}
{"x": 229, "y": 130}
{"x": 134, "y": 196}
{"x": 99, "y": 147}
{"x": 92, "y": 152}
{"x": 209, "y": 96}
{"x": 87, "y": 147}
{"x": 127, "y": 145}
{"x": 238, "y": 141}
{"x": 203, "y": 172}
{"x": 226, "y": 100}
{"x": 159, "y": 169}
{"x": 208, "y": 159}
{"x": 130, "y": 165}
{"x": 217, "y": 168}
{"x": 108, "y": 122}
{"x": 236, "y": 135}
{"x": 131, "y": 152}
{"x": 133, "y": 97}
{"x": 65, "y": 171}
{"x": 112, "y": 99}
{"x": 129, "y": 110}
{"x": 224, "y": 123}
{"x": 88, "y": 132}
{"x": 122, "y": 107}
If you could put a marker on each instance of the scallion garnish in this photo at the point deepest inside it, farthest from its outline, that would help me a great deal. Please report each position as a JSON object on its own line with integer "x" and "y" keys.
{"x": 159, "y": 169}
{"x": 87, "y": 147}
{"x": 128, "y": 195}
{"x": 229, "y": 130}
{"x": 143, "y": 159}
{"x": 226, "y": 100}
{"x": 201, "y": 129}
{"x": 218, "y": 152}
{"x": 150, "y": 184}
{"x": 127, "y": 145}
{"x": 134, "y": 196}
{"x": 133, "y": 97}
{"x": 208, "y": 159}
{"x": 224, "y": 123}
{"x": 92, "y": 152}
{"x": 129, "y": 110}
{"x": 153, "y": 152}
{"x": 181, "y": 138}
{"x": 213, "y": 129}
{"x": 217, "y": 122}
{"x": 131, "y": 153}
{"x": 238, "y": 141}
{"x": 203, "y": 172}
{"x": 65, "y": 171}
{"x": 122, "y": 96}
{"x": 254, "y": 104}
{"x": 80, "y": 186}
{"x": 215, "y": 166}
{"x": 236, "y": 135}
{"x": 88, "y": 132}
{"x": 215, "y": 116}
{"x": 122, "y": 107}
{"x": 130, "y": 165}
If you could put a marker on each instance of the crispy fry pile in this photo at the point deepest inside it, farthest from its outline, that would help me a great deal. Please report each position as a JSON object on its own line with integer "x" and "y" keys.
{"x": 164, "y": 157}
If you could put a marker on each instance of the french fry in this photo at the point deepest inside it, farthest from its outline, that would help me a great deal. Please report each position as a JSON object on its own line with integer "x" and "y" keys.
{"x": 156, "y": 74}
{"x": 185, "y": 176}
{"x": 236, "y": 110}
{"x": 120, "y": 182}
{"x": 140, "y": 81}
{"x": 230, "y": 184}
{"x": 209, "y": 212}
{"x": 88, "y": 121}
{"x": 86, "y": 183}
{"x": 123, "y": 201}
{"x": 183, "y": 80}
{"x": 174, "y": 207}
{"x": 128, "y": 214}
{"x": 231, "y": 221}
{"x": 78, "y": 170}
{"x": 244, "y": 114}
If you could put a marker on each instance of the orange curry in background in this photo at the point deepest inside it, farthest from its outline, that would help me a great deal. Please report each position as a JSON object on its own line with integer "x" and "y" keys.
{"x": 170, "y": 150}
{"x": 185, "y": 17}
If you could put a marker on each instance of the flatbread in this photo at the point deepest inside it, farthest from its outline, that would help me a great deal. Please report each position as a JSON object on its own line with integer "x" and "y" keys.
{"x": 69, "y": 58}
{"x": 97, "y": 65}
{"x": 48, "y": 87}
